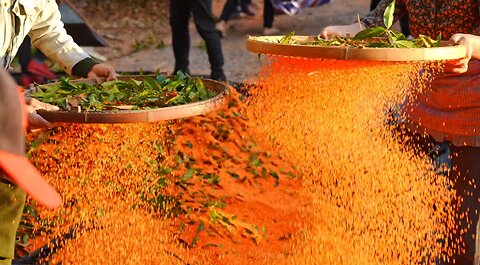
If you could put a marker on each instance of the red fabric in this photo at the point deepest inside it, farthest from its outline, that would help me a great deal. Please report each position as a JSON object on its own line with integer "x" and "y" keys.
{"x": 452, "y": 105}
{"x": 21, "y": 172}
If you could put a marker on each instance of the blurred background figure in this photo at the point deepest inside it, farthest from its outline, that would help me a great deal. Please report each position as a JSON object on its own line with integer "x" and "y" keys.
{"x": 33, "y": 66}
{"x": 268, "y": 18}
{"x": 403, "y": 21}
{"x": 292, "y": 7}
{"x": 34, "y": 70}
{"x": 234, "y": 9}
{"x": 180, "y": 12}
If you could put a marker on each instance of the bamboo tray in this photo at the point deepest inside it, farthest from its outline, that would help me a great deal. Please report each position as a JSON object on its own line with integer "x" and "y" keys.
{"x": 140, "y": 116}
{"x": 270, "y": 45}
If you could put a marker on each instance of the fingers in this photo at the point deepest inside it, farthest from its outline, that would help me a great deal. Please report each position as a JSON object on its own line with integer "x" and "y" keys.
{"x": 33, "y": 105}
{"x": 112, "y": 75}
{"x": 455, "y": 39}
{"x": 330, "y": 31}
{"x": 37, "y": 122}
{"x": 325, "y": 33}
{"x": 93, "y": 75}
{"x": 459, "y": 66}
{"x": 103, "y": 70}
{"x": 462, "y": 39}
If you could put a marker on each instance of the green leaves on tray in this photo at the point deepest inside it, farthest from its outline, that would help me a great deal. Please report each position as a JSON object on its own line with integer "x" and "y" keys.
{"x": 148, "y": 93}
{"x": 378, "y": 37}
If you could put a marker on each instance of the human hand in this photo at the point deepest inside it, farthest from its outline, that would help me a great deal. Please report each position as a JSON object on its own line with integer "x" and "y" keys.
{"x": 471, "y": 43}
{"x": 103, "y": 70}
{"x": 341, "y": 31}
{"x": 458, "y": 66}
{"x": 35, "y": 121}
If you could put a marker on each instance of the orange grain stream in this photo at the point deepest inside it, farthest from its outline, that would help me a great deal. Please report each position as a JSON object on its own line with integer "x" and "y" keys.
{"x": 222, "y": 188}
{"x": 128, "y": 194}
{"x": 374, "y": 201}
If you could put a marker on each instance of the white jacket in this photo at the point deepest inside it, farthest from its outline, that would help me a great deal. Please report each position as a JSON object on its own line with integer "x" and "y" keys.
{"x": 40, "y": 19}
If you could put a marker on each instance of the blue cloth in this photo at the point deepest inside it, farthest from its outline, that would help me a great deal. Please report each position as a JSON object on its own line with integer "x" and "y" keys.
{"x": 293, "y": 7}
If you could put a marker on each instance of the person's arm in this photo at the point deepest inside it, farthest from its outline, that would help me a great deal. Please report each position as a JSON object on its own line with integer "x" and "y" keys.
{"x": 49, "y": 35}
{"x": 372, "y": 19}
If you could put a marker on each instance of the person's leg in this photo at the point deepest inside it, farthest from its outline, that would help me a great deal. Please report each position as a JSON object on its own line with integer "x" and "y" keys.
{"x": 179, "y": 17}
{"x": 246, "y": 6}
{"x": 202, "y": 15}
{"x": 246, "y": 3}
{"x": 465, "y": 175}
{"x": 268, "y": 14}
{"x": 404, "y": 25}
{"x": 228, "y": 10}
{"x": 12, "y": 200}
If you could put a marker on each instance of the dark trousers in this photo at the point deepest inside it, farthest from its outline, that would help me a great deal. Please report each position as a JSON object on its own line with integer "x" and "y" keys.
{"x": 403, "y": 20}
{"x": 268, "y": 14}
{"x": 231, "y": 6}
{"x": 462, "y": 165}
{"x": 180, "y": 12}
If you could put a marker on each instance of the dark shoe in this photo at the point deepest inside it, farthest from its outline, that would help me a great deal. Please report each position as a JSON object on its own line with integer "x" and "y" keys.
{"x": 237, "y": 15}
{"x": 186, "y": 71}
{"x": 219, "y": 77}
{"x": 249, "y": 11}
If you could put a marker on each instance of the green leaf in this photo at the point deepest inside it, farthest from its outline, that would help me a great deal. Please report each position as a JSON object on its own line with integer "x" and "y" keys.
{"x": 388, "y": 15}
{"x": 151, "y": 83}
{"x": 391, "y": 39}
{"x": 398, "y": 35}
{"x": 201, "y": 226}
{"x": 378, "y": 45}
{"x": 287, "y": 38}
{"x": 438, "y": 40}
{"x": 369, "y": 33}
{"x": 406, "y": 44}
{"x": 180, "y": 76}
{"x": 189, "y": 174}
{"x": 161, "y": 79}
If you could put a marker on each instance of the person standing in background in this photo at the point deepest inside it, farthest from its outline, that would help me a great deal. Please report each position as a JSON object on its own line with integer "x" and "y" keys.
{"x": 268, "y": 18}
{"x": 180, "y": 13}
{"x": 232, "y": 9}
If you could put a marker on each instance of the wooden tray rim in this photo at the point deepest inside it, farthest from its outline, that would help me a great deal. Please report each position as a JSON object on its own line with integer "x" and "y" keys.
{"x": 445, "y": 52}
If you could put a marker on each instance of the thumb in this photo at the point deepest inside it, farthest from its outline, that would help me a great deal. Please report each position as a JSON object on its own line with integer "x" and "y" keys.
{"x": 325, "y": 33}
{"x": 36, "y": 122}
{"x": 49, "y": 107}
{"x": 455, "y": 39}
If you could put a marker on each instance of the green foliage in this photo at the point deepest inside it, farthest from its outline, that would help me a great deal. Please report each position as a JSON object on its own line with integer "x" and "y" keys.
{"x": 388, "y": 15}
{"x": 287, "y": 38}
{"x": 151, "y": 92}
{"x": 370, "y": 33}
